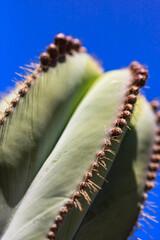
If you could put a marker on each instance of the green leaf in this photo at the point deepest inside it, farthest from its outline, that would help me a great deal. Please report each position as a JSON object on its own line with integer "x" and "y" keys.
{"x": 33, "y": 129}
{"x": 72, "y": 156}
{"x": 115, "y": 209}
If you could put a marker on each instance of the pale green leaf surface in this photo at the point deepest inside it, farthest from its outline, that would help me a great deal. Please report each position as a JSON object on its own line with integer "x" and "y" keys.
{"x": 71, "y": 158}
{"x": 115, "y": 209}
{"x": 32, "y": 131}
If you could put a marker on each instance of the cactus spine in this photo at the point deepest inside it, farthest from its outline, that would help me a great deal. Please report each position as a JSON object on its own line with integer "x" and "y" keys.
{"x": 75, "y": 148}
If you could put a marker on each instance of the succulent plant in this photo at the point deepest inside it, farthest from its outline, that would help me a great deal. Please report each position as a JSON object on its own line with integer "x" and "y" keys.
{"x": 79, "y": 148}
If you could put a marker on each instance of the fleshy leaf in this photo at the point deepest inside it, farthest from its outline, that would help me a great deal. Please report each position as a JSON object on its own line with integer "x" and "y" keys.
{"x": 72, "y": 156}
{"x": 115, "y": 209}
{"x": 31, "y": 132}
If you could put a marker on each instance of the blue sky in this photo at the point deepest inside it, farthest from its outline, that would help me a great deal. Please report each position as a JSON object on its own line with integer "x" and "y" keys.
{"x": 115, "y": 32}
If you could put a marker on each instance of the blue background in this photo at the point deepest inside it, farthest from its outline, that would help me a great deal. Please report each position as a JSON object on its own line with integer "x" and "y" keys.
{"x": 116, "y": 32}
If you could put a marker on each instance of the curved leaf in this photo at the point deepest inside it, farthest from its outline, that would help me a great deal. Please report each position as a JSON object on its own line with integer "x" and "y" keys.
{"x": 31, "y": 132}
{"x": 72, "y": 156}
{"x": 115, "y": 209}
